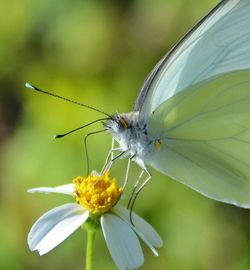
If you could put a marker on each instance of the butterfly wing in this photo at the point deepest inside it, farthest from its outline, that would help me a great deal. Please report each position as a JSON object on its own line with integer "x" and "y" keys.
{"x": 205, "y": 133}
{"x": 220, "y": 43}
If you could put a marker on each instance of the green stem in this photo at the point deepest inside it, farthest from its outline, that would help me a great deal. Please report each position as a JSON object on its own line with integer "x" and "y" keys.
{"x": 91, "y": 233}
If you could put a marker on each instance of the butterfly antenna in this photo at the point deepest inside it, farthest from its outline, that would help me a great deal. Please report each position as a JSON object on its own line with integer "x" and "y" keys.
{"x": 81, "y": 127}
{"x": 33, "y": 87}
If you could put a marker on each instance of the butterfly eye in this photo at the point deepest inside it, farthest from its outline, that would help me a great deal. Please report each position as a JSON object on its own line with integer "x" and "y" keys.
{"x": 123, "y": 123}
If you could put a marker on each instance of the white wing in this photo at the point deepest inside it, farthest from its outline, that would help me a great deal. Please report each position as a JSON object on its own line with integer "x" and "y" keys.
{"x": 205, "y": 133}
{"x": 220, "y": 43}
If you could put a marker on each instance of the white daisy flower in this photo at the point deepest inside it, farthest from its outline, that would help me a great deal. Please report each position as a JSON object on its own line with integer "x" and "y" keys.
{"x": 96, "y": 197}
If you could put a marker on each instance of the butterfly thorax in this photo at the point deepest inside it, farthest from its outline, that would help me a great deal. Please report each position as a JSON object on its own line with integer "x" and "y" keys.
{"x": 130, "y": 133}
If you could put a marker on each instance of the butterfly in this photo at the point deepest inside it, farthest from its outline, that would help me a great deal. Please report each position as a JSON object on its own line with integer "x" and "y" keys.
{"x": 191, "y": 120}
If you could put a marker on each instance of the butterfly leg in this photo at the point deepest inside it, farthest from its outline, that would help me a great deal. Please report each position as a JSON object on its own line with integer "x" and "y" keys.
{"x": 134, "y": 189}
{"x": 112, "y": 148}
{"x": 109, "y": 157}
{"x": 136, "y": 192}
{"x": 110, "y": 162}
{"x": 127, "y": 173}
{"x": 106, "y": 161}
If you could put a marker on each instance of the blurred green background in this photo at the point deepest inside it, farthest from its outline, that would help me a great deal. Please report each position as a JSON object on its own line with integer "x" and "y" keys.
{"x": 97, "y": 52}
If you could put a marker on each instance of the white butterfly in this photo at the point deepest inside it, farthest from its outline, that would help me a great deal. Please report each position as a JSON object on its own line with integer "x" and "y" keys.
{"x": 191, "y": 120}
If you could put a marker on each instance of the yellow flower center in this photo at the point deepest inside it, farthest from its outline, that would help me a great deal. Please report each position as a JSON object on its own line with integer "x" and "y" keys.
{"x": 97, "y": 193}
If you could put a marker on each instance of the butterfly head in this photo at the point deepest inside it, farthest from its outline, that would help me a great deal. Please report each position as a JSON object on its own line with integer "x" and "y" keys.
{"x": 117, "y": 124}
{"x": 122, "y": 127}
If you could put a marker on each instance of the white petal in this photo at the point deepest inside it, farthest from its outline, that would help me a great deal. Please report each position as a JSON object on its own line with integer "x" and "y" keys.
{"x": 122, "y": 242}
{"x": 55, "y": 226}
{"x": 64, "y": 189}
{"x": 142, "y": 228}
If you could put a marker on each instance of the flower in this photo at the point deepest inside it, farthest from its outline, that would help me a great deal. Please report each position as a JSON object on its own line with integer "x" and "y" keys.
{"x": 96, "y": 197}
{"x": 96, "y": 193}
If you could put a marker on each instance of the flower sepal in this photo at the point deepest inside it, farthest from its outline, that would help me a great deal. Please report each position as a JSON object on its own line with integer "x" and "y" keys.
{"x": 92, "y": 223}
